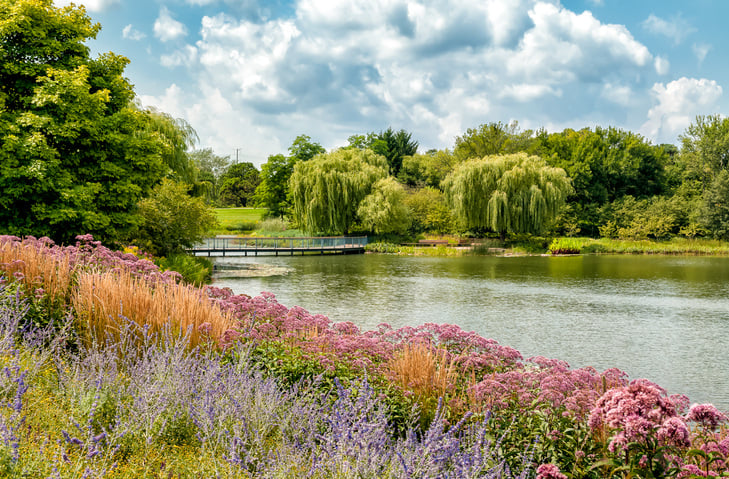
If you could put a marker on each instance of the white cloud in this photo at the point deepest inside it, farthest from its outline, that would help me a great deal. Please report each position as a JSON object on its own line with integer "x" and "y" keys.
{"x": 701, "y": 50}
{"x": 597, "y": 3}
{"x": 187, "y": 56}
{"x": 675, "y": 29}
{"x": 167, "y": 28}
{"x": 433, "y": 67}
{"x": 131, "y": 33}
{"x": 564, "y": 47}
{"x": 677, "y": 103}
{"x": 661, "y": 65}
{"x": 617, "y": 93}
{"x": 91, "y": 5}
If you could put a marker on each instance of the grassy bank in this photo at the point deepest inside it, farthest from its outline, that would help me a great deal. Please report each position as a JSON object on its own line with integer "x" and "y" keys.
{"x": 557, "y": 246}
{"x": 115, "y": 369}
{"x": 678, "y": 246}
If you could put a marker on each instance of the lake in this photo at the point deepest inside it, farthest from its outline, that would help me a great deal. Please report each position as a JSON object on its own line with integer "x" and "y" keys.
{"x": 665, "y": 318}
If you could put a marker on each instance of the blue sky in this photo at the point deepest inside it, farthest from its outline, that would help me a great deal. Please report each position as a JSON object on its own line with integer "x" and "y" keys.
{"x": 252, "y": 75}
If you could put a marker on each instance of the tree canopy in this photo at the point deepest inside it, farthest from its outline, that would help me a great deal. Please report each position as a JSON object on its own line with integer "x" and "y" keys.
{"x": 238, "y": 184}
{"x": 76, "y": 155}
{"x": 507, "y": 193}
{"x": 384, "y": 210}
{"x": 327, "y": 190}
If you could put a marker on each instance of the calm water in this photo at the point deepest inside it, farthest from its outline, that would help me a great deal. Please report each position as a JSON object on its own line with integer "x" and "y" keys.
{"x": 663, "y": 318}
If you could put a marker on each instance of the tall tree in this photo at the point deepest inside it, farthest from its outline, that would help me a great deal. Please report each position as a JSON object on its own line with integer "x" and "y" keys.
{"x": 238, "y": 184}
{"x": 272, "y": 191}
{"x": 493, "y": 139}
{"x": 75, "y": 154}
{"x": 705, "y": 149}
{"x": 507, "y": 193}
{"x": 327, "y": 190}
{"x": 384, "y": 210}
{"x": 210, "y": 167}
{"x": 399, "y": 145}
{"x": 177, "y": 137}
{"x": 303, "y": 149}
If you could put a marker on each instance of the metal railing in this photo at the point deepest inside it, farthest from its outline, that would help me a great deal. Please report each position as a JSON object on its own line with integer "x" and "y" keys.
{"x": 321, "y": 244}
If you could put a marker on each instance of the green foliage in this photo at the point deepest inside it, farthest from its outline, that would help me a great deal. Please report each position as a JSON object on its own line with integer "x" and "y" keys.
{"x": 384, "y": 210}
{"x": 210, "y": 168}
{"x": 303, "y": 149}
{"x": 399, "y": 145}
{"x": 76, "y": 154}
{"x": 511, "y": 193}
{"x": 171, "y": 220}
{"x": 493, "y": 139}
{"x": 429, "y": 211}
{"x": 705, "y": 149}
{"x": 238, "y": 184}
{"x": 427, "y": 170}
{"x": 194, "y": 269}
{"x": 715, "y": 207}
{"x": 658, "y": 218}
{"x": 327, "y": 190}
{"x": 176, "y": 136}
{"x": 272, "y": 192}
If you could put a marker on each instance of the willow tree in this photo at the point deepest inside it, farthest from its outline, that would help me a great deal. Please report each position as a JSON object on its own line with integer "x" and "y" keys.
{"x": 384, "y": 210}
{"x": 513, "y": 193}
{"x": 327, "y": 190}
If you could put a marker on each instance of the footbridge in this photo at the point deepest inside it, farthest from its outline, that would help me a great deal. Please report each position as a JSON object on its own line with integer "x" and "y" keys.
{"x": 239, "y": 246}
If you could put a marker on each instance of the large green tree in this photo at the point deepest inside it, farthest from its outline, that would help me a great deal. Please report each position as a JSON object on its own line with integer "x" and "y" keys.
{"x": 273, "y": 191}
{"x": 238, "y": 184}
{"x": 384, "y": 210}
{"x": 210, "y": 167}
{"x": 513, "y": 193}
{"x": 493, "y": 138}
{"x": 327, "y": 190}
{"x": 76, "y": 155}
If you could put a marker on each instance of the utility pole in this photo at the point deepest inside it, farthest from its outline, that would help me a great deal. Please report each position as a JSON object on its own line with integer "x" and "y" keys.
{"x": 236, "y": 154}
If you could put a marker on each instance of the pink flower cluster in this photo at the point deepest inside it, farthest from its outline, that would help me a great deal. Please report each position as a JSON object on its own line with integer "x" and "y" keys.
{"x": 549, "y": 471}
{"x": 637, "y": 411}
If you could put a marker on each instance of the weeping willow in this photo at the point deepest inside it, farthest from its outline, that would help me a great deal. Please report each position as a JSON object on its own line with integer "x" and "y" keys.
{"x": 327, "y": 190}
{"x": 507, "y": 193}
{"x": 177, "y": 138}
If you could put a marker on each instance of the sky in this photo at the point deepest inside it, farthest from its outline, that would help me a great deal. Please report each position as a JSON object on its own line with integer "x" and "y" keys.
{"x": 252, "y": 75}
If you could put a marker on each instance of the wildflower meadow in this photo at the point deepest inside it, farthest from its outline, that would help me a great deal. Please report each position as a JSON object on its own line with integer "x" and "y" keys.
{"x": 114, "y": 368}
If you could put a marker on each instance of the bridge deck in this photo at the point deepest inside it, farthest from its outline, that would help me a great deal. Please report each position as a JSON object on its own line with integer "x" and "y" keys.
{"x": 237, "y": 246}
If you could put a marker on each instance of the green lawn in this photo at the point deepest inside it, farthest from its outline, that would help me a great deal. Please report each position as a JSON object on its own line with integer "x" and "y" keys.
{"x": 234, "y": 220}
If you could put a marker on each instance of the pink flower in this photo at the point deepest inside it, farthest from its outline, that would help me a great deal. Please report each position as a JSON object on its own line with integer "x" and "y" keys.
{"x": 549, "y": 471}
{"x": 707, "y": 415}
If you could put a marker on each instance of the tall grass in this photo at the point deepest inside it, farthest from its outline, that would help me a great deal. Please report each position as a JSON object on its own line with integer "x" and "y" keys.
{"x": 36, "y": 267}
{"x": 424, "y": 370}
{"x": 102, "y": 298}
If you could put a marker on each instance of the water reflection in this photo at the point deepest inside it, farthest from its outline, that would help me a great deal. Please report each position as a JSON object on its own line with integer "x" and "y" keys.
{"x": 664, "y": 318}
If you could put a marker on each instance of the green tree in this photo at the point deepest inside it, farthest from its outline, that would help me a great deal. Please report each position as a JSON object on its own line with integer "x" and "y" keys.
{"x": 399, "y": 145}
{"x": 508, "y": 193}
{"x": 75, "y": 154}
{"x": 238, "y": 184}
{"x": 210, "y": 167}
{"x": 272, "y": 191}
{"x": 705, "y": 150}
{"x": 384, "y": 209}
{"x": 714, "y": 212}
{"x": 429, "y": 169}
{"x": 172, "y": 220}
{"x": 370, "y": 141}
{"x": 429, "y": 211}
{"x": 494, "y": 139}
{"x": 176, "y": 137}
{"x": 303, "y": 149}
{"x": 327, "y": 190}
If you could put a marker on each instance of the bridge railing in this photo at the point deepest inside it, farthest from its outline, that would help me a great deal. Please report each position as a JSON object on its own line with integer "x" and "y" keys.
{"x": 231, "y": 243}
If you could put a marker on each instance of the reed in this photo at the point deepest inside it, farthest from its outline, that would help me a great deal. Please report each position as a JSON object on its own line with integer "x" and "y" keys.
{"x": 36, "y": 266}
{"x": 424, "y": 370}
{"x": 103, "y": 299}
